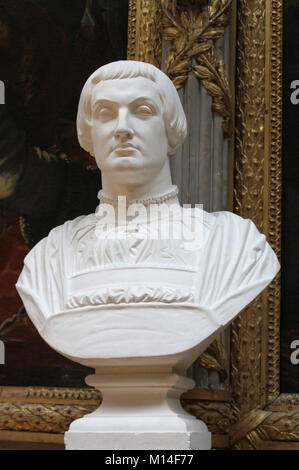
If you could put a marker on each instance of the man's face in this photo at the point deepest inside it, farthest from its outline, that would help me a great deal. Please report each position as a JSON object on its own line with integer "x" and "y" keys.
{"x": 128, "y": 132}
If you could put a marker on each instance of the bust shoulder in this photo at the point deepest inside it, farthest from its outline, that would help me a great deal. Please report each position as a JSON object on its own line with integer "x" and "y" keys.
{"x": 236, "y": 231}
{"x": 71, "y": 227}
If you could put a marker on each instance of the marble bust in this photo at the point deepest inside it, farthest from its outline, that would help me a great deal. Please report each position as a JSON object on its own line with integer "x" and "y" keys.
{"x": 134, "y": 302}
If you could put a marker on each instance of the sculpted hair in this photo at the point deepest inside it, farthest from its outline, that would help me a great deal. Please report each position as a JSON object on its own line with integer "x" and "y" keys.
{"x": 173, "y": 113}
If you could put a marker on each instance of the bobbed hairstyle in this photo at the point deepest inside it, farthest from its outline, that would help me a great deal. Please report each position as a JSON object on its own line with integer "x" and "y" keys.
{"x": 172, "y": 110}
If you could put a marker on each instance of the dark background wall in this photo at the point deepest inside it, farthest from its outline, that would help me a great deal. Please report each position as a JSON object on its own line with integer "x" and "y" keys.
{"x": 48, "y": 48}
{"x": 290, "y": 199}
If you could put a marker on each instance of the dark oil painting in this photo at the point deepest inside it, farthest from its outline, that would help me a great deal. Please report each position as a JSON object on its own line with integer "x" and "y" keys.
{"x": 48, "y": 48}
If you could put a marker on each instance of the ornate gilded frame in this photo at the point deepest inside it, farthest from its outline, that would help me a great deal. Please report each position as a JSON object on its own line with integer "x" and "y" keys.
{"x": 252, "y": 414}
{"x": 262, "y": 417}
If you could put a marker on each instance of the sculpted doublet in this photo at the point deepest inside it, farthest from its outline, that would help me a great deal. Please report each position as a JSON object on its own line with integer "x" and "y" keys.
{"x": 72, "y": 273}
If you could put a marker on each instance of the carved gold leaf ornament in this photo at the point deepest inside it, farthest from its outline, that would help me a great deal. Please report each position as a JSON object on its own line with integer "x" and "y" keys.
{"x": 57, "y": 393}
{"x": 215, "y": 414}
{"x": 193, "y": 34}
{"x": 213, "y": 78}
{"x": 262, "y": 429}
{"x": 214, "y": 358}
{"x": 42, "y": 417}
{"x": 44, "y": 409}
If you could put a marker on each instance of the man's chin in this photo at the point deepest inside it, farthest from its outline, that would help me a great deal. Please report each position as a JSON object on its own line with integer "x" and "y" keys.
{"x": 127, "y": 163}
{"x": 129, "y": 172}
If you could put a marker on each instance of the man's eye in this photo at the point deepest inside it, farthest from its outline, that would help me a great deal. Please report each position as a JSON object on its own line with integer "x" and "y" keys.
{"x": 105, "y": 113}
{"x": 144, "y": 110}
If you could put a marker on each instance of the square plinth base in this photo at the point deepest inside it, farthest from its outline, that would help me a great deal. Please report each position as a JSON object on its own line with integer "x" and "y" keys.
{"x": 137, "y": 441}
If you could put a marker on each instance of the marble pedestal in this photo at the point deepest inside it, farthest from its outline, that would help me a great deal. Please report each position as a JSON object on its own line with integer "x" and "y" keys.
{"x": 140, "y": 357}
{"x": 139, "y": 411}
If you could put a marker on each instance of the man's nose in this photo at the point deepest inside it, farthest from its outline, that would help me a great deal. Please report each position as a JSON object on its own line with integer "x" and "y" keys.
{"x": 123, "y": 128}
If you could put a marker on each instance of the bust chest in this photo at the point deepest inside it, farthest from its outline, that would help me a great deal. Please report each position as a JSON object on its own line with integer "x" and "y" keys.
{"x": 139, "y": 263}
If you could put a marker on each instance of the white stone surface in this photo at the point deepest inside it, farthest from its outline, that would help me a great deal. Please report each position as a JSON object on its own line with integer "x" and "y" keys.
{"x": 138, "y": 308}
{"x": 146, "y": 415}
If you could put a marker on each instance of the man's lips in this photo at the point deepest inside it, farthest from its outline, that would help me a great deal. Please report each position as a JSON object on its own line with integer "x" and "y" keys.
{"x": 124, "y": 149}
{"x": 125, "y": 146}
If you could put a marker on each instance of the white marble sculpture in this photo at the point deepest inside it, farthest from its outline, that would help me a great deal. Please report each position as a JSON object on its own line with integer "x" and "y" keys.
{"x": 139, "y": 308}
